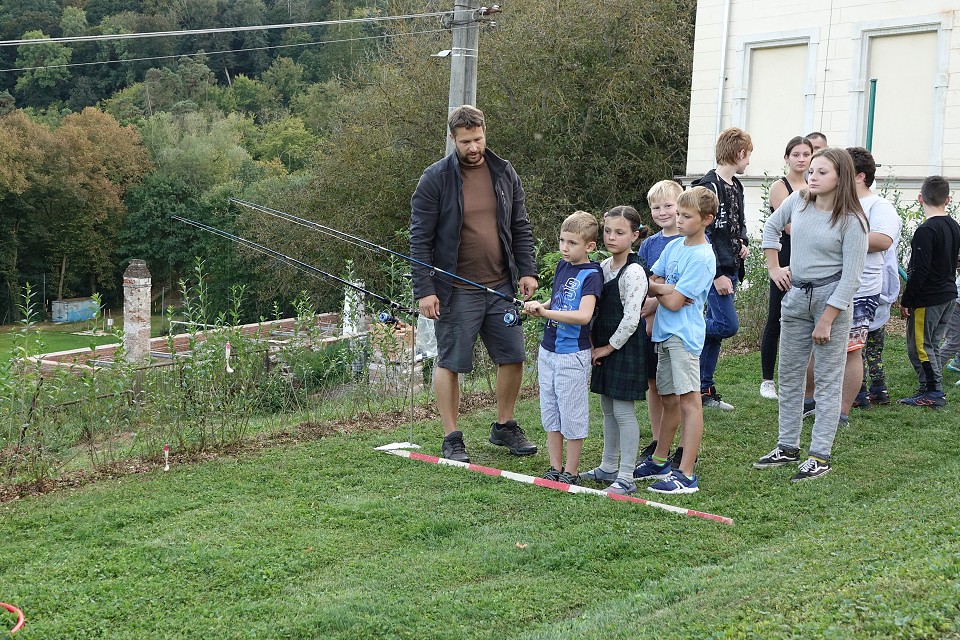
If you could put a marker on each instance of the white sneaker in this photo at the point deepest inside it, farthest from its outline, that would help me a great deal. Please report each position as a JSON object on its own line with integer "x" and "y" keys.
{"x": 768, "y": 389}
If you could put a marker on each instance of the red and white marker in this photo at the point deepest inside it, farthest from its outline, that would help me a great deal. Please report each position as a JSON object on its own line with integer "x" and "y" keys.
{"x": 15, "y": 611}
{"x": 166, "y": 457}
{"x": 229, "y": 370}
{"x": 397, "y": 450}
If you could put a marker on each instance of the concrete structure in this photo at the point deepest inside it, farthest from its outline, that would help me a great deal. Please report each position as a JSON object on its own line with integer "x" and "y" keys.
{"x": 780, "y": 68}
{"x": 136, "y": 311}
{"x": 73, "y": 309}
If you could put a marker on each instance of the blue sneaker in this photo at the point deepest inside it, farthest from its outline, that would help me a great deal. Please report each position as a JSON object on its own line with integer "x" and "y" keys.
{"x": 932, "y": 399}
{"x": 650, "y": 470}
{"x": 676, "y": 483}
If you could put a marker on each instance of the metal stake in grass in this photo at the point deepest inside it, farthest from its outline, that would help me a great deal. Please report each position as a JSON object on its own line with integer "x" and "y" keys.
{"x": 166, "y": 457}
{"x": 397, "y": 449}
{"x": 229, "y": 370}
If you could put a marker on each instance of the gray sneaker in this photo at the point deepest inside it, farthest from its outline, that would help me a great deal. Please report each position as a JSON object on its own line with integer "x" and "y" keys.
{"x": 453, "y": 448}
{"x": 712, "y": 400}
{"x": 622, "y": 487}
{"x": 599, "y": 475}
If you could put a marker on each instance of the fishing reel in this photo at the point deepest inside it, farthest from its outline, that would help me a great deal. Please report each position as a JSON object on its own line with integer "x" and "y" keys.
{"x": 512, "y": 318}
{"x": 386, "y": 318}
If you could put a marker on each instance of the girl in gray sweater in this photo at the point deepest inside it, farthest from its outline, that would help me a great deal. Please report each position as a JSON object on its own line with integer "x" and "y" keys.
{"x": 829, "y": 244}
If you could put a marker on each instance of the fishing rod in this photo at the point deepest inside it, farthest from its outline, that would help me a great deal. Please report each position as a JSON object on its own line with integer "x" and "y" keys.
{"x": 300, "y": 265}
{"x": 510, "y": 318}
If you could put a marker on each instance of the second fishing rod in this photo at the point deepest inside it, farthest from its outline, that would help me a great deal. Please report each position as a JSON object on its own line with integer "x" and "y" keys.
{"x": 511, "y": 317}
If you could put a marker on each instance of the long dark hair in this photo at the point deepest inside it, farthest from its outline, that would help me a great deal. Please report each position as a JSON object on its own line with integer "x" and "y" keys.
{"x": 795, "y": 142}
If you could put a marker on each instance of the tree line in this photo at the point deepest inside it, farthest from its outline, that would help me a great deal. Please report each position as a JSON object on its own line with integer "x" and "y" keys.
{"x": 590, "y": 103}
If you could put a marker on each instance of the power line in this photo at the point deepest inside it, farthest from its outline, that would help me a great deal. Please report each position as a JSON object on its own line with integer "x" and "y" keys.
{"x": 192, "y": 32}
{"x": 223, "y": 51}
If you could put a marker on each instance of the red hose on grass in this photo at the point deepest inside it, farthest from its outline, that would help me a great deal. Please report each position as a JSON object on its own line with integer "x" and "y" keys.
{"x": 12, "y": 609}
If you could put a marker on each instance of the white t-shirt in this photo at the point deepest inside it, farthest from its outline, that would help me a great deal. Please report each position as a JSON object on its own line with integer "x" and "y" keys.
{"x": 883, "y": 219}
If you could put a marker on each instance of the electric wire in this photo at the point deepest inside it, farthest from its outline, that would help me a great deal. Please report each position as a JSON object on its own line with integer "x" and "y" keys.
{"x": 192, "y": 32}
{"x": 223, "y": 51}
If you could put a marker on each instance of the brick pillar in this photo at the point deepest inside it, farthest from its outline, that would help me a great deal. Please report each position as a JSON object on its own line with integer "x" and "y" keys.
{"x": 136, "y": 311}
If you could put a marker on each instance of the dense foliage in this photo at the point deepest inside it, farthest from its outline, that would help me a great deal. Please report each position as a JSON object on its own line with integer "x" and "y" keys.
{"x": 339, "y": 132}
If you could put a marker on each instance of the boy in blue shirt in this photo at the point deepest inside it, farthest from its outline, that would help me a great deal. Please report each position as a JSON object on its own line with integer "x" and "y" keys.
{"x": 682, "y": 278}
{"x": 563, "y": 361}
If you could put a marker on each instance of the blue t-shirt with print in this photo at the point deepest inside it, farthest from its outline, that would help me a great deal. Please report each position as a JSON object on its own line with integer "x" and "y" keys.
{"x": 691, "y": 269}
{"x": 651, "y": 248}
{"x": 570, "y": 283}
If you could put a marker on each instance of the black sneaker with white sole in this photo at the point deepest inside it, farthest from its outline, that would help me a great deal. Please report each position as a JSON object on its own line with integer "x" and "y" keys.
{"x": 777, "y": 458}
{"x": 511, "y": 436}
{"x": 811, "y": 468}
{"x": 453, "y": 448}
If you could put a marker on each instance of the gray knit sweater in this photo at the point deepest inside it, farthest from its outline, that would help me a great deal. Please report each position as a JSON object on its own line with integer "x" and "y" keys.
{"x": 817, "y": 249}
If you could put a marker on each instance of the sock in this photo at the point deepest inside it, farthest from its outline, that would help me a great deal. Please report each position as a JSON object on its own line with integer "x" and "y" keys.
{"x": 660, "y": 461}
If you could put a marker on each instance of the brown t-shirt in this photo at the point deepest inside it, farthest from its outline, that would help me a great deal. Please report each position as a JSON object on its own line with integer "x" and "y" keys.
{"x": 481, "y": 256}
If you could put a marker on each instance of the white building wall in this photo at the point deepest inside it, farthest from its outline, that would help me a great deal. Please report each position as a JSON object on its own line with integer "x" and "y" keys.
{"x": 838, "y": 36}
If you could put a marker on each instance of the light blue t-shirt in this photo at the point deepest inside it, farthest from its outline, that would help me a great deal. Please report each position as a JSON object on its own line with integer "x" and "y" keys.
{"x": 692, "y": 270}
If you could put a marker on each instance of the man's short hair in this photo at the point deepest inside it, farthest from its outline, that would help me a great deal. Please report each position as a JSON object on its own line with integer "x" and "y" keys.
{"x": 664, "y": 191}
{"x": 465, "y": 116}
{"x": 935, "y": 191}
{"x": 816, "y": 134}
{"x": 864, "y": 163}
{"x": 583, "y": 224}
{"x": 731, "y": 143}
{"x": 700, "y": 199}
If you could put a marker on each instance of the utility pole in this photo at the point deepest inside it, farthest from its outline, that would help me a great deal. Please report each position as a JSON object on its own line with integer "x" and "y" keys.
{"x": 463, "y": 57}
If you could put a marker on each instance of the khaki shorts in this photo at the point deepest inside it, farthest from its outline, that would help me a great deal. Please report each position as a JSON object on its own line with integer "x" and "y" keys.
{"x": 678, "y": 370}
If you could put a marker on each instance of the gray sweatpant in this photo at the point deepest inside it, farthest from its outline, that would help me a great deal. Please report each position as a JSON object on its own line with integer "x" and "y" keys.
{"x": 800, "y": 311}
{"x": 951, "y": 339}
{"x": 926, "y": 327}
{"x": 621, "y": 436}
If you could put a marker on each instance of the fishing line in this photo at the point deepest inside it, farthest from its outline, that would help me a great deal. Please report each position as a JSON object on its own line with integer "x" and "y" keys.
{"x": 511, "y": 317}
{"x": 298, "y": 264}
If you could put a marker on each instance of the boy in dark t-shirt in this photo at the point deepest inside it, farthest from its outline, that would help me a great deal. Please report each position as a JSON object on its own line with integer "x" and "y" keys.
{"x": 563, "y": 361}
{"x": 930, "y": 294}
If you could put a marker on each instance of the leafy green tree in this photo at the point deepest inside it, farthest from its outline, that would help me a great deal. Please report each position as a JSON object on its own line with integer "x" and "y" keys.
{"x": 254, "y": 98}
{"x": 287, "y": 141}
{"x": 73, "y": 22}
{"x": 45, "y": 75}
{"x": 284, "y": 78}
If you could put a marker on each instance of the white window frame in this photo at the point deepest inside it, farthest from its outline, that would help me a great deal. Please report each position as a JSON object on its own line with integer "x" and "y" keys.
{"x": 745, "y": 48}
{"x": 942, "y": 24}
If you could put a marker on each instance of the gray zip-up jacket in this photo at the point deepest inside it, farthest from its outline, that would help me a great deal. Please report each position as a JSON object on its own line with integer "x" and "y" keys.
{"x": 437, "y": 216}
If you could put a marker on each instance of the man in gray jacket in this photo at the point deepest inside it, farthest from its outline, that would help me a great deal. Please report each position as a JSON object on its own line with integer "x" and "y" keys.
{"x": 468, "y": 217}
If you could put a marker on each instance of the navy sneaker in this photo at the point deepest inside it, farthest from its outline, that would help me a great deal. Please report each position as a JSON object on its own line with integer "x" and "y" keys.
{"x": 676, "y": 483}
{"x": 932, "y": 399}
{"x": 453, "y": 448}
{"x": 652, "y": 470}
{"x": 510, "y": 435}
{"x": 777, "y": 458}
{"x": 811, "y": 469}
{"x": 862, "y": 401}
{"x": 878, "y": 395}
{"x": 648, "y": 450}
{"x": 568, "y": 478}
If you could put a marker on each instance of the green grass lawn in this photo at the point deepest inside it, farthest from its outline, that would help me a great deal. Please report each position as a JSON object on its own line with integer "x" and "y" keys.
{"x": 331, "y": 539}
{"x": 63, "y": 336}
